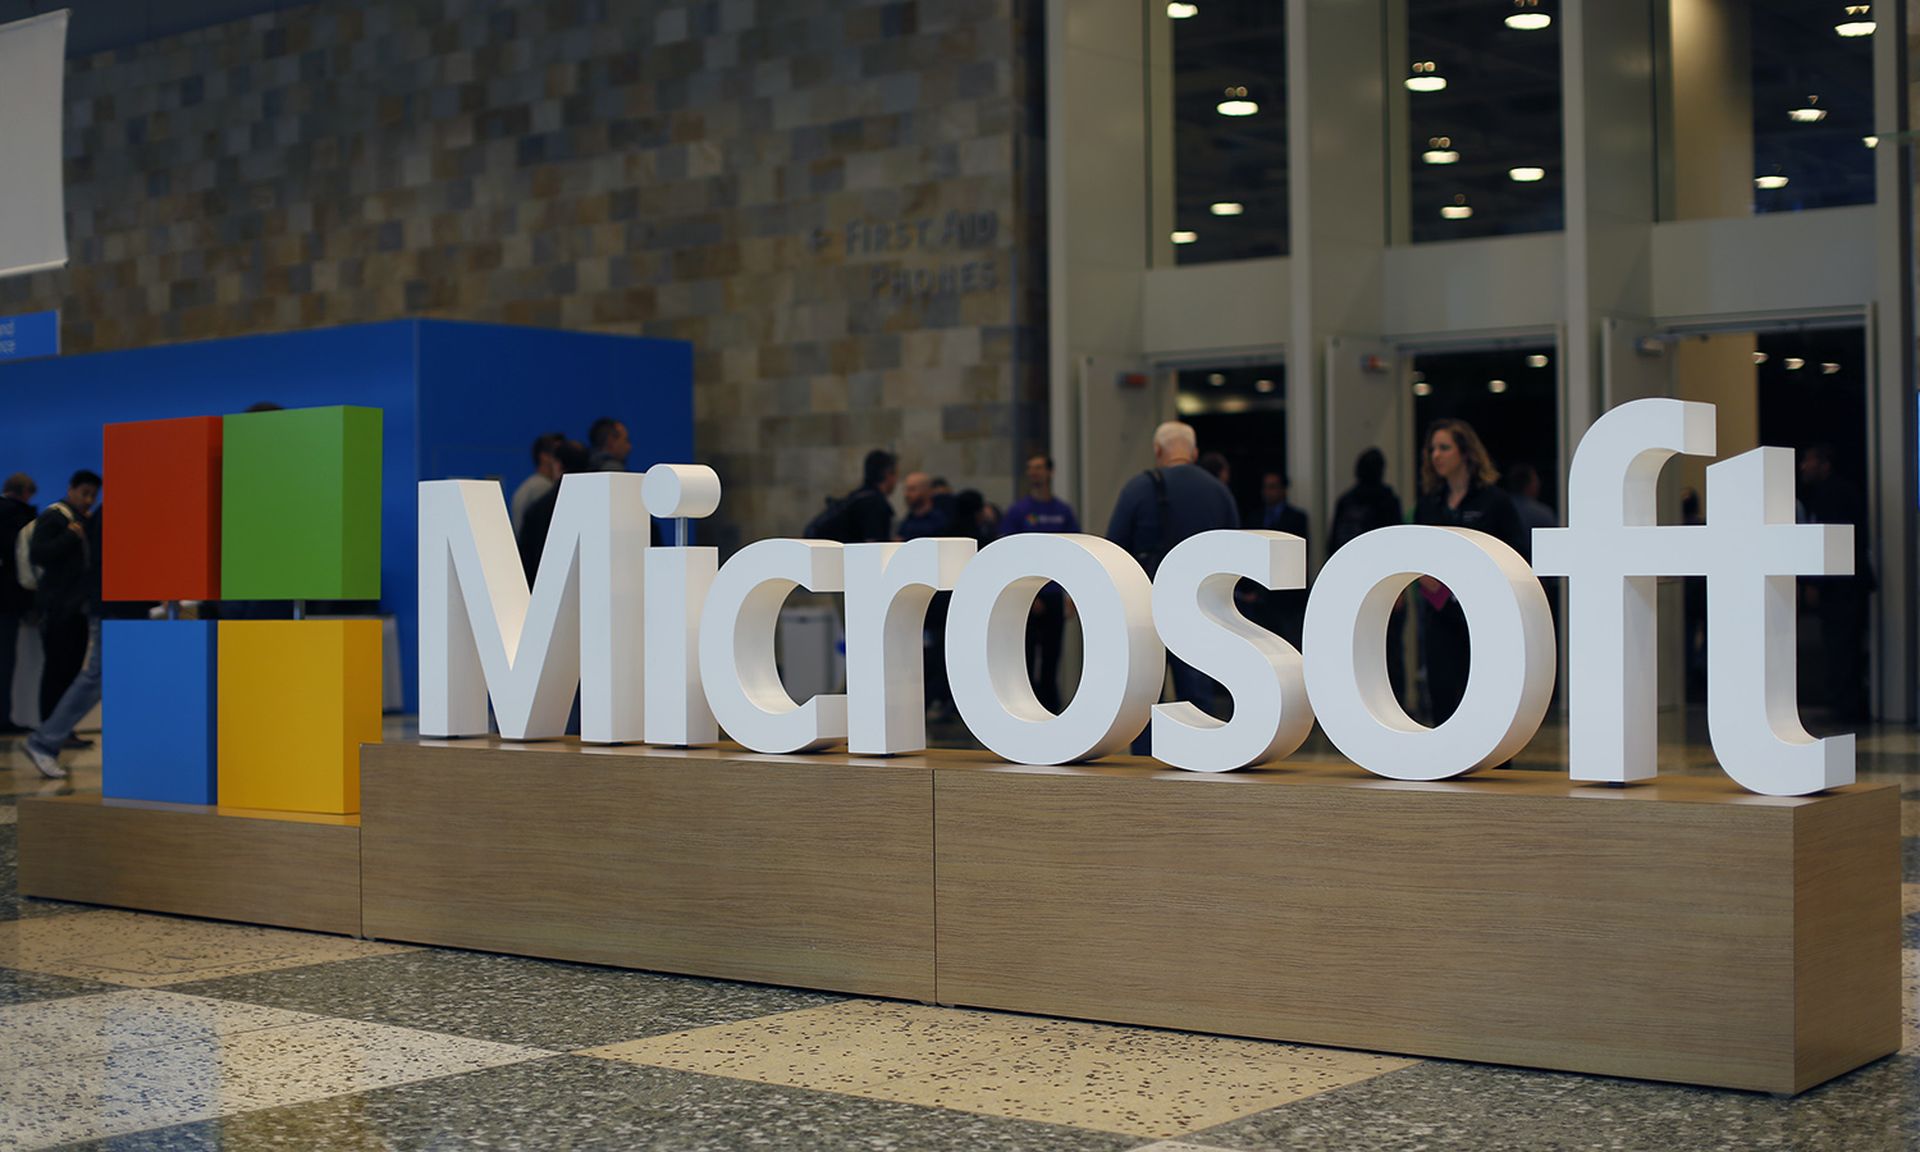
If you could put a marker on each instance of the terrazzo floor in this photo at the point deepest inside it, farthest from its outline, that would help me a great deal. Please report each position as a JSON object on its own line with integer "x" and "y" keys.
{"x": 121, "y": 1030}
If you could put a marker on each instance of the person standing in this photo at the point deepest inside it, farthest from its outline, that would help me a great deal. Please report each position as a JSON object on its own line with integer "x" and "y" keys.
{"x": 569, "y": 456}
{"x": 1041, "y": 511}
{"x": 16, "y": 601}
{"x": 1157, "y": 509}
{"x": 1523, "y": 484}
{"x": 69, "y": 581}
{"x": 1371, "y": 503}
{"x": 1458, "y": 489}
{"x": 546, "y": 473}
{"x": 1286, "y": 607}
{"x": 611, "y": 445}
{"x": 925, "y": 516}
{"x": 57, "y": 724}
{"x": 864, "y": 515}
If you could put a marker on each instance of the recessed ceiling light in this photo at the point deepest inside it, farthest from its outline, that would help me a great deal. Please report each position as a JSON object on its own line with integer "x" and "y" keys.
{"x": 1422, "y": 388}
{"x": 1809, "y": 113}
{"x": 1426, "y": 77}
{"x": 1263, "y": 385}
{"x": 1829, "y": 368}
{"x": 1759, "y": 357}
{"x": 1870, "y": 141}
{"x": 1526, "y": 175}
{"x": 1216, "y": 378}
{"x": 1227, "y": 208}
{"x": 1770, "y": 182}
{"x": 1496, "y": 386}
{"x": 1185, "y": 237}
{"x": 1440, "y": 156}
{"x": 1236, "y": 103}
{"x": 1529, "y": 21}
{"x": 1794, "y": 363}
{"x": 1537, "y": 360}
{"x": 1181, "y": 11}
{"x": 1856, "y": 24}
{"x": 1458, "y": 210}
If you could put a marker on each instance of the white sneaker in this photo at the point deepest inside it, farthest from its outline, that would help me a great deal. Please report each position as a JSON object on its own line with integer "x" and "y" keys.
{"x": 49, "y": 765}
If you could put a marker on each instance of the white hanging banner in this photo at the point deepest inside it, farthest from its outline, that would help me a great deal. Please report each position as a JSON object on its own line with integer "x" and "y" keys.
{"x": 33, "y": 221}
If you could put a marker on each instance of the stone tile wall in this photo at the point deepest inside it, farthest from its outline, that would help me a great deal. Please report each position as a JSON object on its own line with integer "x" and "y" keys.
{"x": 838, "y": 202}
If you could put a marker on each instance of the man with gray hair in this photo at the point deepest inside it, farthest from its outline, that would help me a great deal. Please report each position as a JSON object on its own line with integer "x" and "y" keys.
{"x": 1158, "y": 509}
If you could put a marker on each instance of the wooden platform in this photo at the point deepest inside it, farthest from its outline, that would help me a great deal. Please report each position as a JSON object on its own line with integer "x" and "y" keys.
{"x": 1685, "y": 930}
{"x": 281, "y": 869}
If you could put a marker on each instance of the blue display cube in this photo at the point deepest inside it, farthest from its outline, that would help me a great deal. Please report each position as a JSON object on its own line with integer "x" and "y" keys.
{"x": 159, "y": 691}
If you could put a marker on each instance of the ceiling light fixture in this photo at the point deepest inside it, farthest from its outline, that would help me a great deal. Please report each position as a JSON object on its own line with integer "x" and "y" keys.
{"x": 1870, "y": 141}
{"x": 1537, "y": 360}
{"x": 1236, "y": 103}
{"x": 1527, "y": 17}
{"x": 1227, "y": 208}
{"x": 1422, "y": 388}
{"x": 1263, "y": 385}
{"x": 1181, "y": 11}
{"x": 1829, "y": 368}
{"x": 1185, "y": 237}
{"x": 1526, "y": 175}
{"x": 1812, "y": 113}
{"x": 1216, "y": 378}
{"x": 1770, "y": 182}
{"x": 1857, "y": 23}
{"x": 1440, "y": 151}
{"x": 1794, "y": 363}
{"x": 1496, "y": 386}
{"x": 1759, "y": 357}
{"x": 1426, "y": 77}
{"x": 1458, "y": 210}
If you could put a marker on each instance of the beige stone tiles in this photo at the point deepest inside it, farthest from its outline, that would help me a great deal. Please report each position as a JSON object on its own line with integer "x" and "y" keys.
{"x": 119, "y": 1062}
{"x": 142, "y": 951}
{"x": 1137, "y": 1082}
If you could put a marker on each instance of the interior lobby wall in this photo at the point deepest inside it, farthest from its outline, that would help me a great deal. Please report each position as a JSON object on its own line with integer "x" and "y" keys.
{"x": 825, "y": 198}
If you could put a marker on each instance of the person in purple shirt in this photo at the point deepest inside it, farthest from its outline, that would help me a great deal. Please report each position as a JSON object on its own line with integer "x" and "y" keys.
{"x": 1041, "y": 511}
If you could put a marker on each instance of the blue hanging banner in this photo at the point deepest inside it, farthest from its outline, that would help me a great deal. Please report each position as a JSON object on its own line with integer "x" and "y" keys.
{"x": 30, "y": 336}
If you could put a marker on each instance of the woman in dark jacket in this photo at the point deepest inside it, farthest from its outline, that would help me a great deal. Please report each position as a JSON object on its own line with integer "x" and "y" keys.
{"x": 1458, "y": 489}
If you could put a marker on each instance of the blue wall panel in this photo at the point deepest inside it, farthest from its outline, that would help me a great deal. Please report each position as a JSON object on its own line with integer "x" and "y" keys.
{"x": 159, "y": 692}
{"x": 461, "y": 401}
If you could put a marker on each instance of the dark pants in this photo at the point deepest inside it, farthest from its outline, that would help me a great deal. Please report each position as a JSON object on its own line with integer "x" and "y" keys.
{"x": 1447, "y": 652}
{"x": 934, "y": 651}
{"x": 1044, "y": 634}
{"x": 9, "y": 641}
{"x": 1189, "y": 684}
{"x": 64, "y": 641}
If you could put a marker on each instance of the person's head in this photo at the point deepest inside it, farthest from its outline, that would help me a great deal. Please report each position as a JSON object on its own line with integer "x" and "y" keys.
{"x": 20, "y": 486}
{"x": 1816, "y": 463}
{"x": 1040, "y": 476}
{"x": 917, "y": 488}
{"x": 1175, "y": 443}
{"x": 570, "y": 456}
{"x": 1524, "y": 480}
{"x": 543, "y": 458}
{"x": 1217, "y": 467}
{"x": 608, "y": 437}
{"x": 1370, "y": 467}
{"x": 879, "y": 471}
{"x": 1273, "y": 489}
{"x": 1454, "y": 455}
{"x": 83, "y": 488}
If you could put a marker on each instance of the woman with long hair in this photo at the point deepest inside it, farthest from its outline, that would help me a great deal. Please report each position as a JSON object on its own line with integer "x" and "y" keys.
{"x": 1458, "y": 489}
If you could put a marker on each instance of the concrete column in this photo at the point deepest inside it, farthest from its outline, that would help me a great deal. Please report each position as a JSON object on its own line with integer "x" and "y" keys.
{"x": 1336, "y": 129}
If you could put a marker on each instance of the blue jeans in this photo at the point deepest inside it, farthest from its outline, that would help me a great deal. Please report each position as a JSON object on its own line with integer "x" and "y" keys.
{"x": 75, "y": 702}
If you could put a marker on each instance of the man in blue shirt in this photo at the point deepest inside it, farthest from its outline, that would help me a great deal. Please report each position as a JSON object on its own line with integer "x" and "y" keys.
{"x": 1157, "y": 510}
{"x": 1041, "y": 511}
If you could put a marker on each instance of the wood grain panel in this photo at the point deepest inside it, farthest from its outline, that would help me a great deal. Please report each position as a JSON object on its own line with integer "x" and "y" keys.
{"x": 1847, "y": 932}
{"x": 1647, "y": 932}
{"x": 224, "y": 864}
{"x": 811, "y": 871}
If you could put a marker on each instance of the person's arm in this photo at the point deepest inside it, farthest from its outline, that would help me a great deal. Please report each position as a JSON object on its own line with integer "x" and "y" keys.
{"x": 1125, "y": 510}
